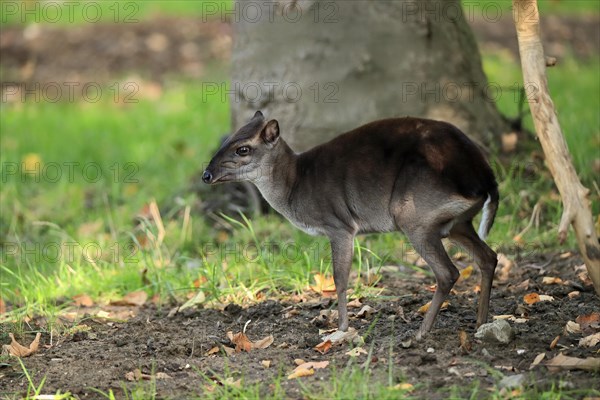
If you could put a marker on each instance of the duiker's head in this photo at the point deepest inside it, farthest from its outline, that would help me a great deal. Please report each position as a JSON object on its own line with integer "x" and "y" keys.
{"x": 247, "y": 154}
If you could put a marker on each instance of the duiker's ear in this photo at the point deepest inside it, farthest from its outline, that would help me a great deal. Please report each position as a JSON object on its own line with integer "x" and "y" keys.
{"x": 258, "y": 114}
{"x": 270, "y": 133}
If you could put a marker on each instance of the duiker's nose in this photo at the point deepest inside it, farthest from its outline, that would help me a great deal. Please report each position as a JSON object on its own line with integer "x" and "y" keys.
{"x": 207, "y": 177}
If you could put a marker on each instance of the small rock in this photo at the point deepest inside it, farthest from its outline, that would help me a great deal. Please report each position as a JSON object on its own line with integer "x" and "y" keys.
{"x": 499, "y": 331}
{"x": 430, "y": 350}
{"x": 512, "y": 381}
{"x": 486, "y": 353}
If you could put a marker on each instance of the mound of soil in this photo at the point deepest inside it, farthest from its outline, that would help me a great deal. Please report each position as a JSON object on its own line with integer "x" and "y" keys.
{"x": 104, "y": 356}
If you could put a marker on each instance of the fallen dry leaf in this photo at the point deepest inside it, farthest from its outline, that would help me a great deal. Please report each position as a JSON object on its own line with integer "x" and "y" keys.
{"x": 551, "y": 280}
{"x": 233, "y": 383}
{"x": 365, "y": 312}
{"x": 243, "y": 343}
{"x": 83, "y": 300}
{"x": 196, "y": 299}
{"x": 532, "y": 298}
{"x": 565, "y": 362}
{"x": 404, "y": 386}
{"x": 343, "y": 337}
{"x": 509, "y": 141}
{"x": 466, "y": 273}
{"x": 504, "y": 268}
{"x": 538, "y": 359}
{"x": 590, "y": 341}
{"x": 15, "y": 349}
{"x": 554, "y": 342}
{"x": 198, "y": 282}
{"x": 265, "y": 363}
{"x": 465, "y": 344}
{"x": 324, "y": 346}
{"x": 214, "y": 350}
{"x": 263, "y": 343}
{"x": 137, "y": 298}
{"x": 2, "y": 306}
{"x": 324, "y": 285}
{"x": 326, "y": 318}
{"x": 299, "y": 361}
{"x": 354, "y": 304}
{"x": 572, "y": 327}
{"x": 423, "y": 309}
{"x": 573, "y": 294}
{"x": 357, "y": 351}
{"x": 589, "y": 323}
{"x": 300, "y": 373}
{"x": 306, "y": 369}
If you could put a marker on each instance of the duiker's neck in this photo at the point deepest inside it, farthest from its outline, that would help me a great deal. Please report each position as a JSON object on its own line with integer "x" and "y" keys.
{"x": 277, "y": 179}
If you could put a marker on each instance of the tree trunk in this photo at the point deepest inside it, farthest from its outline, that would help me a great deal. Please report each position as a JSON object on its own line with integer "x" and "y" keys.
{"x": 324, "y": 67}
{"x": 574, "y": 195}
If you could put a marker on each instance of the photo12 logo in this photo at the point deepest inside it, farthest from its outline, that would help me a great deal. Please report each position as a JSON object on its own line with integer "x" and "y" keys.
{"x": 33, "y": 169}
{"x": 51, "y": 12}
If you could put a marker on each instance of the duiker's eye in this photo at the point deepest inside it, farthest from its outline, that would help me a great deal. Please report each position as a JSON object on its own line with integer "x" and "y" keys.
{"x": 243, "y": 151}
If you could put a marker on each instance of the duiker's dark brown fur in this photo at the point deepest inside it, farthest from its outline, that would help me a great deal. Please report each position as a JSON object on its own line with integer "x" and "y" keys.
{"x": 423, "y": 177}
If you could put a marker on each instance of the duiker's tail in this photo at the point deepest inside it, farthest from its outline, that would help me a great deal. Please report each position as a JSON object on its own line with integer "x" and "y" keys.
{"x": 489, "y": 213}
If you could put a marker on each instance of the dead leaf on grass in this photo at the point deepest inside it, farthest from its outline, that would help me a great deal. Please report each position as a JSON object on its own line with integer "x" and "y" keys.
{"x": 324, "y": 285}
{"x": 83, "y": 300}
{"x": 404, "y": 386}
{"x": 423, "y": 309}
{"x": 197, "y": 298}
{"x": 357, "y": 351}
{"x": 562, "y": 362}
{"x": 136, "y": 299}
{"x": 16, "y": 349}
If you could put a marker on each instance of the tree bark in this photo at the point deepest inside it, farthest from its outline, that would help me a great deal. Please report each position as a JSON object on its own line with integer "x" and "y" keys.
{"x": 574, "y": 195}
{"x": 323, "y": 67}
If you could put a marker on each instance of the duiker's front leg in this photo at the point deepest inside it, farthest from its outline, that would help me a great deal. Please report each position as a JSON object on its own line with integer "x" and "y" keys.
{"x": 342, "y": 249}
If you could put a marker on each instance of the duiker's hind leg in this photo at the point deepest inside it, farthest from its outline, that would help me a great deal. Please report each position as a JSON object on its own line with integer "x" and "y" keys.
{"x": 429, "y": 245}
{"x": 464, "y": 234}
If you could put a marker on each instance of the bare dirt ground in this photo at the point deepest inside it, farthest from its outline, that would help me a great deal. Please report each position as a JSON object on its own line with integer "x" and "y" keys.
{"x": 151, "y": 341}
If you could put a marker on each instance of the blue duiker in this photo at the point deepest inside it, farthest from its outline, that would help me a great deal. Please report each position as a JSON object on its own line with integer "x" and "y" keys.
{"x": 422, "y": 177}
